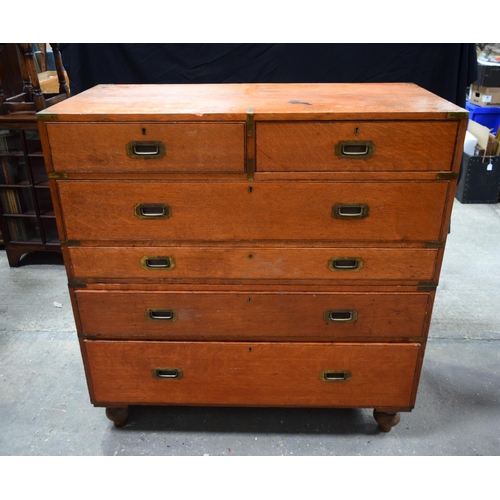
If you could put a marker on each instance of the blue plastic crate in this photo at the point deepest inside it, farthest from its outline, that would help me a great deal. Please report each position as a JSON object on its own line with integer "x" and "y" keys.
{"x": 486, "y": 116}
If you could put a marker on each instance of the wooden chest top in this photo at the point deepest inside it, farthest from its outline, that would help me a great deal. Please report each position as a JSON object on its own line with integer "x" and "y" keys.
{"x": 207, "y": 102}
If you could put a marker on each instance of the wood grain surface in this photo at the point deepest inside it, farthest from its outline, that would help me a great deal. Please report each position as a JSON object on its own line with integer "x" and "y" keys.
{"x": 189, "y": 147}
{"x": 194, "y": 263}
{"x": 204, "y": 102}
{"x": 251, "y": 315}
{"x": 252, "y": 374}
{"x": 398, "y": 146}
{"x": 228, "y": 211}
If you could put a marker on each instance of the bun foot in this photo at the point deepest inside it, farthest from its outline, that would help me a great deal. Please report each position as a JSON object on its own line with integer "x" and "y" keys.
{"x": 117, "y": 415}
{"x": 386, "y": 420}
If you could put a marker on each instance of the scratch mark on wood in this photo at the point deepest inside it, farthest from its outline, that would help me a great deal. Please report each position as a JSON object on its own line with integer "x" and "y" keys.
{"x": 294, "y": 101}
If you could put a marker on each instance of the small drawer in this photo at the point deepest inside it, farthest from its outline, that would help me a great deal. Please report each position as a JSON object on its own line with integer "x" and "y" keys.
{"x": 355, "y": 146}
{"x": 235, "y": 263}
{"x": 252, "y": 374}
{"x": 224, "y": 211}
{"x": 147, "y": 147}
{"x": 251, "y": 316}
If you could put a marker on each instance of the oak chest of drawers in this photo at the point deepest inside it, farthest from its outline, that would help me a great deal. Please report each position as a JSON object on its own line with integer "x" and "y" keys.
{"x": 253, "y": 245}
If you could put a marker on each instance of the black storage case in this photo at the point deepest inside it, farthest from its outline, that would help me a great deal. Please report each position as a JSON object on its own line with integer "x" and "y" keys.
{"x": 488, "y": 76}
{"x": 477, "y": 184}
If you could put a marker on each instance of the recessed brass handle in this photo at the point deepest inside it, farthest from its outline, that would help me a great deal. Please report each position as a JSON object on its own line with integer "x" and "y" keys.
{"x": 355, "y": 149}
{"x": 146, "y": 149}
{"x": 158, "y": 263}
{"x": 335, "y": 375}
{"x": 350, "y": 210}
{"x": 161, "y": 314}
{"x": 341, "y": 315}
{"x": 345, "y": 263}
{"x": 167, "y": 373}
{"x": 153, "y": 211}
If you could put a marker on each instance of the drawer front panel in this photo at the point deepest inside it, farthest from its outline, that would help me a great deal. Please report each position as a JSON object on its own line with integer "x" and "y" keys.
{"x": 355, "y": 146}
{"x": 259, "y": 374}
{"x": 251, "y": 316}
{"x": 344, "y": 211}
{"x": 182, "y": 147}
{"x": 177, "y": 263}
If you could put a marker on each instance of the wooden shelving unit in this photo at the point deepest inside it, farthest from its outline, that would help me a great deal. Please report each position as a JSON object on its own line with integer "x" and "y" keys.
{"x": 27, "y": 215}
{"x": 28, "y": 221}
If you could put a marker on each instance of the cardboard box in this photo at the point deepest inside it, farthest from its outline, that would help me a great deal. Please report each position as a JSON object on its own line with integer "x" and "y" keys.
{"x": 487, "y": 143}
{"x": 49, "y": 82}
{"x": 484, "y": 96}
{"x": 488, "y": 116}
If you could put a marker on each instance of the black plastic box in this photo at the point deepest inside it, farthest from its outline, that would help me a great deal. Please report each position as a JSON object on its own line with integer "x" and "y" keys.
{"x": 476, "y": 183}
{"x": 488, "y": 76}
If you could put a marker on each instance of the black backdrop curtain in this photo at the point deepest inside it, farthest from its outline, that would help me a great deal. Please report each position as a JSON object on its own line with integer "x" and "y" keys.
{"x": 444, "y": 69}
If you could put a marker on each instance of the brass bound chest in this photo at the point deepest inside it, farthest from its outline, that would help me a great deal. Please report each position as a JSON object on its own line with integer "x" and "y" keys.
{"x": 253, "y": 245}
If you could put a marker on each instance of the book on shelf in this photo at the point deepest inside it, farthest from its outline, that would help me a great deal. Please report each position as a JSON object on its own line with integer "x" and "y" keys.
{"x": 13, "y": 170}
{"x": 17, "y": 230}
{"x": 10, "y": 141}
{"x": 5, "y": 171}
{"x": 10, "y": 201}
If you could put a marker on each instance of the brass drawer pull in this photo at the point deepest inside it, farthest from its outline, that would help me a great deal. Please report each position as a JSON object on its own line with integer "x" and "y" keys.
{"x": 146, "y": 149}
{"x": 341, "y": 315}
{"x": 355, "y": 149}
{"x": 350, "y": 211}
{"x": 153, "y": 263}
{"x": 167, "y": 373}
{"x": 161, "y": 314}
{"x": 335, "y": 375}
{"x": 345, "y": 263}
{"x": 152, "y": 211}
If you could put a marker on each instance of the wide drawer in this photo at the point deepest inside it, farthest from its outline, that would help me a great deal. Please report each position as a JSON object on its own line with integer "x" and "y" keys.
{"x": 342, "y": 211}
{"x": 147, "y": 147}
{"x": 252, "y": 374}
{"x": 235, "y": 263}
{"x": 355, "y": 146}
{"x": 251, "y": 316}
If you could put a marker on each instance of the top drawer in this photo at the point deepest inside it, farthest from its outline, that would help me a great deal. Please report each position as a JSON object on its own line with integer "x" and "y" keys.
{"x": 355, "y": 146}
{"x": 147, "y": 147}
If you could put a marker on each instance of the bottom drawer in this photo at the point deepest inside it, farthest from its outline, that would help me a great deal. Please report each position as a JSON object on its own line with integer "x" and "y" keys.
{"x": 251, "y": 374}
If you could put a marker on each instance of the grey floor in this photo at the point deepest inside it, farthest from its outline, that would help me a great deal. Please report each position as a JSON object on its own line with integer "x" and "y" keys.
{"x": 45, "y": 409}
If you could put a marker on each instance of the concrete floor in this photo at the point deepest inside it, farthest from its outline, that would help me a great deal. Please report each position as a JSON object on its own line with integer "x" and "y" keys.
{"x": 45, "y": 409}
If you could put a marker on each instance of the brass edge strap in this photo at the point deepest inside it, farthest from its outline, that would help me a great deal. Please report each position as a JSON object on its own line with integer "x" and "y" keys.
{"x": 46, "y": 116}
{"x": 457, "y": 115}
{"x": 446, "y": 176}
{"x": 70, "y": 243}
{"x": 75, "y": 283}
{"x": 250, "y": 123}
{"x": 250, "y": 169}
{"x": 434, "y": 244}
{"x": 250, "y": 162}
{"x": 427, "y": 286}
{"x": 58, "y": 175}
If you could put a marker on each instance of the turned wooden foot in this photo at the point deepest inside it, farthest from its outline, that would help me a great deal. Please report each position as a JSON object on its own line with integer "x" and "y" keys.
{"x": 117, "y": 415}
{"x": 386, "y": 420}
